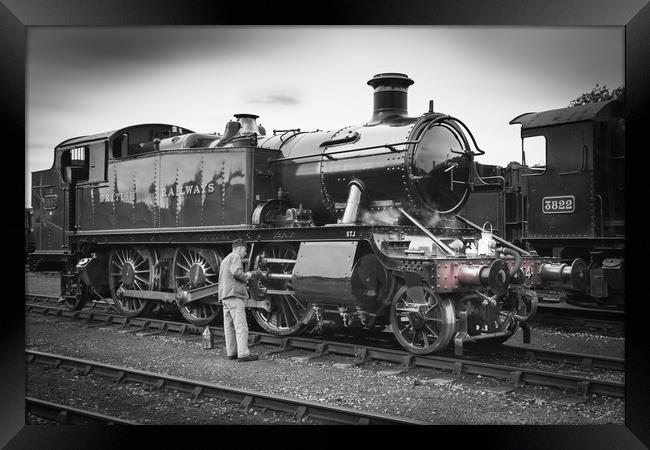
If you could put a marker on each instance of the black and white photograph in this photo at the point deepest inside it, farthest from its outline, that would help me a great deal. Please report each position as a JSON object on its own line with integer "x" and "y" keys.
{"x": 333, "y": 224}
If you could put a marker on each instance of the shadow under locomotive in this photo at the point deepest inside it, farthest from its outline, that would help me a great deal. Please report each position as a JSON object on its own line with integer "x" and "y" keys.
{"x": 355, "y": 227}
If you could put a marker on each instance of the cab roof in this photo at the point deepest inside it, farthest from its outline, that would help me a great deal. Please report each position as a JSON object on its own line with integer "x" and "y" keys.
{"x": 580, "y": 113}
{"x": 110, "y": 134}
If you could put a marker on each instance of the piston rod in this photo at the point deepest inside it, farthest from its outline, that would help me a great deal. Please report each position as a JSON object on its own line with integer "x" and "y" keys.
{"x": 277, "y": 261}
{"x": 278, "y": 276}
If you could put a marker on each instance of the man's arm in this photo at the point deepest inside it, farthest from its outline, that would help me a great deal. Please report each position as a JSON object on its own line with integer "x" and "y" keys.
{"x": 237, "y": 269}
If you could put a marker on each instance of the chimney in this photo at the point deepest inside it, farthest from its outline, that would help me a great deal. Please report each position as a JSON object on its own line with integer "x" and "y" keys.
{"x": 390, "y": 96}
{"x": 248, "y": 123}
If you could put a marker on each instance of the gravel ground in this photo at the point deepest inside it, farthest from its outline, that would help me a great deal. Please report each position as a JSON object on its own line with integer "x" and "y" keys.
{"x": 554, "y": 338}
{"x": 419, "y": 393}
{"x": 566, "y": 368}
{"x": 133, "y": 401}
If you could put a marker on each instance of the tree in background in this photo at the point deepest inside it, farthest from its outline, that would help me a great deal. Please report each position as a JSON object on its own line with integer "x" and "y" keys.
{"x": 599, "y": 94}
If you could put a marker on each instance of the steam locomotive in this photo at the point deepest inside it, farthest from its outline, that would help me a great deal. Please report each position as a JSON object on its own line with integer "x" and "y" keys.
{"x": 354, "y": 227}
{"x": 571, "y": 204}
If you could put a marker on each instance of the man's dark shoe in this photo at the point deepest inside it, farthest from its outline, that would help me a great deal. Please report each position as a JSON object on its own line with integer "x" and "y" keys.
{"x": 250, "y": 357}
{"x": 232, "y": 357}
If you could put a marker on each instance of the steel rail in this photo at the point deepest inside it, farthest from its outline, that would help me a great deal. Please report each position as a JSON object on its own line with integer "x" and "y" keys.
{"x": 585, "y": 360}
{"x": 67, "y": 415}
{"x": 579, "y": 311}
{"x": 573, "y": 322}
{"x": 246, "y": 398}
{"x": 513, "y": 375}
{"x": 545, "y": 314}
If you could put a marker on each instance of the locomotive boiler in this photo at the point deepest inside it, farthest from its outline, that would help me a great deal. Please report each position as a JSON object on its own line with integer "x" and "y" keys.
{"x": 353, "y": 227}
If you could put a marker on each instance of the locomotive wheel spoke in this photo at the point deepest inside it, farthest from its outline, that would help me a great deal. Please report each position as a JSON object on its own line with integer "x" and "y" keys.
{"x": 422, "y": 328}
{"x": 433, "y": 319}
{"x": 187, "y": 260}
{"x": 123, "y": 270}
{"x": 141, "y": 279}
{"x": 298, "y": 302}
{"x": 289, "y": 315}
{"x": 435, "y": 335}
{"x": 284, "y": 313}
{"x": 425, "y": 339}
{"x": 184, "y": 267}
{"x": 120, "y": 259}
{"x": 194, "y": 268}
{"x": 292, "y": 310}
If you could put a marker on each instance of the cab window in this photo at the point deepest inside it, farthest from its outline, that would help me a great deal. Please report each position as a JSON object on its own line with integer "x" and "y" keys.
{"x": 534, "y": 151}
{"x": 74, "y": 164}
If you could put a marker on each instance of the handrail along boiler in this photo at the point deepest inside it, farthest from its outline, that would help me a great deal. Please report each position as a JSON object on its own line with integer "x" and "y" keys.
{"x": 354, "y": 227}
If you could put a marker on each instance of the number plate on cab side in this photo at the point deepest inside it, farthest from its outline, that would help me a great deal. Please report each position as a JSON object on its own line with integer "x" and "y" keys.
{"x": 564, "y": 204}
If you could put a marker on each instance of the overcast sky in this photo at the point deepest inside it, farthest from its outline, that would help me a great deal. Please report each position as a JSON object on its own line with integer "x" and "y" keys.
{"x": 88, "y": 80}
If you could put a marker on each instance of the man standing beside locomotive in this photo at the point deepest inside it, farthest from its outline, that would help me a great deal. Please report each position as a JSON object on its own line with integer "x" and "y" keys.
{"x": 233, "y": 293}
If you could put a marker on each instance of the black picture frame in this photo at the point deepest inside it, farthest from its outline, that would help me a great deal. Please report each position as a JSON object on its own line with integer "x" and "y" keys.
{"x": 16, "y": 15}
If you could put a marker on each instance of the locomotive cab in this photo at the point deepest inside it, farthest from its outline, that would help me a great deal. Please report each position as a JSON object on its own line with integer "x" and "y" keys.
{"x": 575, "y": 202}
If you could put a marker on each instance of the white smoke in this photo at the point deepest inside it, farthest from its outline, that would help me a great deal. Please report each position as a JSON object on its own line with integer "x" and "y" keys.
{"x": 392, "y": 216}
{"x": 383, "y": 217}
{"x": 431, "y": 220}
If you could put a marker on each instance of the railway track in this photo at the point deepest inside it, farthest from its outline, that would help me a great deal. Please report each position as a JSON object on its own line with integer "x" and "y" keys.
{"x": 525, "y": 352}
{"x": 560, "y": 314}
{"x": 578, "y": 317}
{"x": 67, "y": 415}
{"x": 513, "y": 375}
{"x": 586, "y": 361}
{"x": 570, "y": 317}
{"x": 246, "y": 398}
